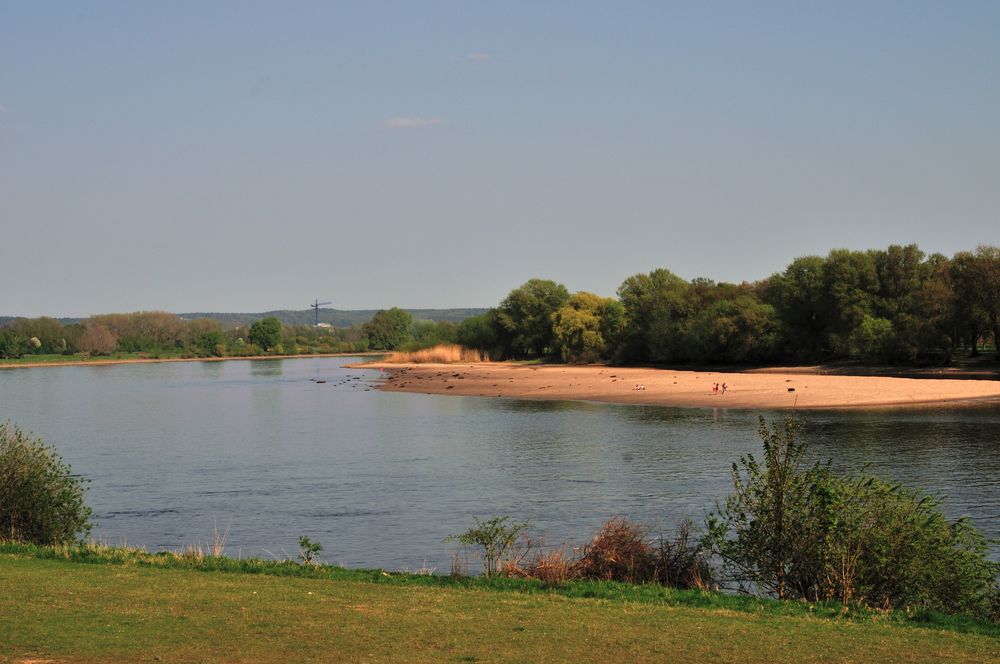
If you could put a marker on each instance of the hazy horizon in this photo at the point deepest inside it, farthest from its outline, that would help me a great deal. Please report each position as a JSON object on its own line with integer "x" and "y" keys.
{"x": 239, "y": 157}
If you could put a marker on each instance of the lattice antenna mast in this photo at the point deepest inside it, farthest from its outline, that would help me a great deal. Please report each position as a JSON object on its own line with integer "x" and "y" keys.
{"x": 315, "y": 307}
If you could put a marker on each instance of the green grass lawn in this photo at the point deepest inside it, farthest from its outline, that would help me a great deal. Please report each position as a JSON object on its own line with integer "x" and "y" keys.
{"x": 61, "y": 610}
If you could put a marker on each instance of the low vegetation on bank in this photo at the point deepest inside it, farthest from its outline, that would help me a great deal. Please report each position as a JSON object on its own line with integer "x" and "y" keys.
{"x": 440, "y": 354}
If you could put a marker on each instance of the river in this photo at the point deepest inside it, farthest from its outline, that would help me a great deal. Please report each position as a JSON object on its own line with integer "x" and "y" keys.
{"x": 260, "y": 450}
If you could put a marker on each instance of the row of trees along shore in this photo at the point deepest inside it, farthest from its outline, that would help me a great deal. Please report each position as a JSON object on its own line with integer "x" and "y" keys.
{"x": 897, "y": 305}
{"x": 162, "y": 334}
{"x": 893, "y": 305}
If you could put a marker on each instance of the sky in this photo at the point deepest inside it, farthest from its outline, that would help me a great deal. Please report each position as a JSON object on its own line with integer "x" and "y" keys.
{"x": 249, "y": 156}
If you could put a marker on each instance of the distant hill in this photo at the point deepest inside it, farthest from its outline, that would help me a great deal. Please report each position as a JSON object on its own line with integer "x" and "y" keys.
{"x": 335, "y": 317}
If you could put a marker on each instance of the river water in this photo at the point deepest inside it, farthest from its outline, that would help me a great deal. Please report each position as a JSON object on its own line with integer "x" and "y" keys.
{"x": 261, "y": 450}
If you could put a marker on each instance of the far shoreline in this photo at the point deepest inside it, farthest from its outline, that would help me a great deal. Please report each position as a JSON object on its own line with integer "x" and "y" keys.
{"x": 155, "y": 360}
{"x": 777, "y": 388}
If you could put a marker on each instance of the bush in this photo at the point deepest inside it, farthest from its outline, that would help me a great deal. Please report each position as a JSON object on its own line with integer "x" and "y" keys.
{"x": 620, "y": 551}
{"x": 496, "y": 537}
{"x": 624, "y": 551}
{"x": 799, "y": 532}
{"x": 889, "y": 546}
{"x": 41, "y": 501}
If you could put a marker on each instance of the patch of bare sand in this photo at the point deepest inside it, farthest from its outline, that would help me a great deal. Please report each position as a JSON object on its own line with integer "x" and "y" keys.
{"x": 669, "y": 387}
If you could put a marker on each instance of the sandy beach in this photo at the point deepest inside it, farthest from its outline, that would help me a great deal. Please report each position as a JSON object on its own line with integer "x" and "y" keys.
{"x": 771, "y": 389}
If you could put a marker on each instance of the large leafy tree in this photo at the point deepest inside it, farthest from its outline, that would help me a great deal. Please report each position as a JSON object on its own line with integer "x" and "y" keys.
{"x": 579, "y": 327}
{"x": 388, "y": 329}
{"x": 741, "y": 329}
{"x": 525, "y": 317}
{"x": 850, "y": 283}
{"x": 48, "y": 331}
{"x": 981, "y": 286}
{"x": 970, "y": 316}
{"x": 266, "y": 333}
{"x": 657, "y": 306}
{"x": 483, "y": 333}
{"x": 796, "y": 295}
{"x": 12, "y": 345}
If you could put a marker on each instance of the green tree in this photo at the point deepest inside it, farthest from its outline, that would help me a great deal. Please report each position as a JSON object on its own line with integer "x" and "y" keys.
{"x": 205, "y": 336}
{"x": 12, "y": 345}
{"x": 48, "y": 331}
{"x": 578, "y": 327}
{"x": 657, "y": 308}
{"x": 850, "y": 287}
{"x": 428, "y": 333}
{"x": 388, "y": 330}
{"x": 525, "y": 318}
{"x": 741, "y": 329}
{"x": 797, "y": 296}
{"x": 266, "y": 333}
{"x": 41, "y": 500}
{"x": 977, "y": 280}
{"x": 483, "y": 333}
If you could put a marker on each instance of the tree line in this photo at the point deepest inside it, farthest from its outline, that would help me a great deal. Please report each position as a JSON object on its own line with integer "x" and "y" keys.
{"x": 162, "y": 334}
{"x": 891, "y": 305}
{"x": 897, "y": 305}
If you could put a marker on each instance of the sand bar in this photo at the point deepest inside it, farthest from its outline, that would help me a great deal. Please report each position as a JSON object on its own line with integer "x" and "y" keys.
{"x": 669, "y": 387}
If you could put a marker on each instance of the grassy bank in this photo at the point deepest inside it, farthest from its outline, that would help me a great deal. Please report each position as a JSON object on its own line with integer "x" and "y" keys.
{"x": 129, "y": 605}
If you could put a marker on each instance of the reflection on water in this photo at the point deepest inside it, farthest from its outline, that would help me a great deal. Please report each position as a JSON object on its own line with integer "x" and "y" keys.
{"x": 265, "y": 367}
{"x": 381, "y": 478}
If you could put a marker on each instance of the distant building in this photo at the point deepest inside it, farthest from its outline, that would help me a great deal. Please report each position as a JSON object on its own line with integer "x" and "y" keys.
{"x": 323, "y": 325}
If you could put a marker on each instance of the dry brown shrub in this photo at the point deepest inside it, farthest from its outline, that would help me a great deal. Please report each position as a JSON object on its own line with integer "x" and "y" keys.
{"x": 551, "y": 567}
{"x": 440, "y": 354}
{"x": 620, "y": 551}
{"x": 683, "y": 562}
{"x": 625, "y": 551}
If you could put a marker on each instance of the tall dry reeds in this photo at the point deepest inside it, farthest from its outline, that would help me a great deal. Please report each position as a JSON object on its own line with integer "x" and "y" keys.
{"x": 440, "y": 354}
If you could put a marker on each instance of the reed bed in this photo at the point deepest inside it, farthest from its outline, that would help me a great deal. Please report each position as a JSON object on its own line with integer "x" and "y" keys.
{"x": 440, "y": 354}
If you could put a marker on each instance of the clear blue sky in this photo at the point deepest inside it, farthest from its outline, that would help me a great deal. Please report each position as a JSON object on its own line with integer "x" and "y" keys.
{"x": 238, "y": 156}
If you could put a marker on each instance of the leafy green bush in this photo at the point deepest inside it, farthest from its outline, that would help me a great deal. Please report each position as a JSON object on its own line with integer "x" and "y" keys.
{"x": 496, "y": 537}
{"x": 889, "y": 546}
{"x": 41, "y": 501}
{"x": 800, "y": 532}
{"x": 308, "y": 550}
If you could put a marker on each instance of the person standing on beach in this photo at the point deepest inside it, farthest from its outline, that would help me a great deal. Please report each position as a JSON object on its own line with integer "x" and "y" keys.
{"x": 723, "y": 388}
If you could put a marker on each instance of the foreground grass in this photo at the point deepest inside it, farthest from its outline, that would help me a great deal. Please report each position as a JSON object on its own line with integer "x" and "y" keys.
{"x": 156, "y": 607}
